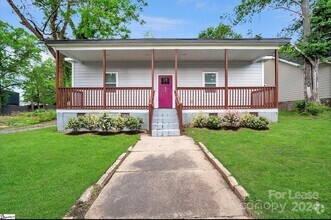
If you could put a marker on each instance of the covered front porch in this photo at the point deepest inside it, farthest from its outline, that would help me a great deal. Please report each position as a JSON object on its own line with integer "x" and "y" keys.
{"x": 204, "y": 75}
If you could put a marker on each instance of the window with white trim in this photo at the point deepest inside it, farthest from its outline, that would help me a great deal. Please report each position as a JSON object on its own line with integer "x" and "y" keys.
{"x": 111, "y": 79}
{"x": 210, "y": 79}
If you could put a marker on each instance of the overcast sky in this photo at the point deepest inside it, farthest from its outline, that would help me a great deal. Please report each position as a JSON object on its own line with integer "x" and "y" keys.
{"x": 187, "y": 18}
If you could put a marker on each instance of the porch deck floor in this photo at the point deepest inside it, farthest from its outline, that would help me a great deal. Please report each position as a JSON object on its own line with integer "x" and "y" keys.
{"x": 166, "y": 177}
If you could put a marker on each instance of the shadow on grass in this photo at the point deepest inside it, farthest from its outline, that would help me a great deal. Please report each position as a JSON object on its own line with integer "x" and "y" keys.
{"x": 103, "y": 133}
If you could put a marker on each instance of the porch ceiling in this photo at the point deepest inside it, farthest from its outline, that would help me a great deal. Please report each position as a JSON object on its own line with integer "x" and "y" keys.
{"x": 169, "y": 55}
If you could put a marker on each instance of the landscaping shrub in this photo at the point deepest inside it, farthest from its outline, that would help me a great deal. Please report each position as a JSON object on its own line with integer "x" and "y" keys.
{"x": 247, "y": 120}
{"x": 232, "y": 120}
{"x": 107, "y": 123}
{"x": 133, "y": 123}
{"x": 214, "y": 122}
{"x": 120, "y": 122}
{"x": 75, "y": 124}
{"x": 199, "y": 121}
{"x": 300, "y": 106}
{"x": 261, "y": 123}
{"x": 253, "y": 122}
{"x": 90, "y": 122}
{"x": 40, "y": 115}
{"x": 315, "y": 108}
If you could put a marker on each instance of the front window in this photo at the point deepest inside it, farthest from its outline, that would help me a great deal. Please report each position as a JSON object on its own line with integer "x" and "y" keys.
{"x": 111, "y": 80}
{"x": 210, "y": 79}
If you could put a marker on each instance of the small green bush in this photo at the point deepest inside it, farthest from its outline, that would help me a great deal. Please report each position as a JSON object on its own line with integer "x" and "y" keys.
{"x": 120, "y": 122}
{"x": 253, "y": 122}
{"x": 300, "y": 106}
{"x": 214, "y": 122}
{"x": 107, "y": 123}
{"x": 134, "y": 123}
{"x": 315, "y": 108}
{"x": 90, "y": 122}
{"x": 247, "y": 120}
{"x": 75, "y": 124}
{"x": 261, "y": 123}
{"x": 232, "y": 120}
{"x": 199, "y": 121}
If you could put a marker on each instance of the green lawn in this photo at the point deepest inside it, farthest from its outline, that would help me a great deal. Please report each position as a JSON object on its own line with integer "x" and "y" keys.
{"x": 26, "y": 118}
{"x": 294, "y": 155}
{"x": 43, "y": 172}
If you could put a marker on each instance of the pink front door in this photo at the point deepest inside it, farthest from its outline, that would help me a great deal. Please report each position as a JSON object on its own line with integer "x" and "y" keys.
{"x": 165, "y": 91}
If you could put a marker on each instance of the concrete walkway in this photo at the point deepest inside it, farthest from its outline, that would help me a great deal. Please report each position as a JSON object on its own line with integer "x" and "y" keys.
{"x": 166, "y": 177}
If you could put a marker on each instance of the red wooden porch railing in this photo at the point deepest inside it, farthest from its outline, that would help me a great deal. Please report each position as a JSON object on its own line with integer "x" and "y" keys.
{"x": 238, "y": 97}
{"x": 116, "y": 98}
{"x": 179, "y": 109}
{"x": 151, "y": 111}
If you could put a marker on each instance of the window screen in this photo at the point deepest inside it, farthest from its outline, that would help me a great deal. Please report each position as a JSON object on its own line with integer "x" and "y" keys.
{"x": 210, "y": 79}
{"x": 111, "y": 79}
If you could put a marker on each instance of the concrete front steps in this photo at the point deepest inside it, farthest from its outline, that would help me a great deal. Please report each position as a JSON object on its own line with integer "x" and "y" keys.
{"x": 165, "y": 123}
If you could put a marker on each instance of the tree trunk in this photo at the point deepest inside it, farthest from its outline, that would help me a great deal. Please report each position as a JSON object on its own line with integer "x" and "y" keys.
{"x": 314, "y": 70}
{"x": 311, "y": 81}
{"x": 32, "y": 103}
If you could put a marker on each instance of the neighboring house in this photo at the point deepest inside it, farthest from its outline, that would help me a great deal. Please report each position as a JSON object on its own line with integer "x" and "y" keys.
{"x": 291, "y": 81}
{"x": 167, "y": 81}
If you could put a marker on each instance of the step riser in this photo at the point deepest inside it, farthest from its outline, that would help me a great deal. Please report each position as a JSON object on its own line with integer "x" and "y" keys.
{"x": 162, "y": 126}
{"x": 165, "y": 123}
{"x": 165, "y": 133}
{"x": 165, "y": 120}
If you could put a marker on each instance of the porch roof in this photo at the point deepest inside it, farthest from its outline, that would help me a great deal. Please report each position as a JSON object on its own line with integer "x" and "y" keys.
{"x": 189, "y": 49}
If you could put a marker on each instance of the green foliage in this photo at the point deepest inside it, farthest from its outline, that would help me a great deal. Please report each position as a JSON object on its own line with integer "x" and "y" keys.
{"x": 134, "y": 123}
{"x": 222, "y": 31}
{"x": 253, "y": 122}
{"x": 75, "y": 124}
{"x": 232, "y": 120}
{"x": 28, "y": 118}
{"x": 199, "y": 121}
{"x": 107, "y": 123}
{"x": 214, "y": 122}
{"x": 300, "y": 106}
{"x": 247, "y": 120}
{"x": 90, "y": 122}
{"x": 39, "y": 84}
{"x": 318, "y": 43}
{"x": 315, "y": 108}
{"x": 18, "y": 50}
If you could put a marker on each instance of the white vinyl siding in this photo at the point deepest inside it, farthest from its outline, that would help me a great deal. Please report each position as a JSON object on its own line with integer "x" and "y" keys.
{"x": 291, "y": 80}
{"x": 325, "y": 81}
{"x": 138, "y": 74}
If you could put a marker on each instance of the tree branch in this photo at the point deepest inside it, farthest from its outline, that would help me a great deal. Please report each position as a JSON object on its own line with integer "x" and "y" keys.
{"x": 66, "y": 21}
{"x": 25, "y": 22}
{"x": 296, "y": 2}
{"x": 303, "y": 54}
{"x": 287, "y": 9}
{"x": 49, "y": 17}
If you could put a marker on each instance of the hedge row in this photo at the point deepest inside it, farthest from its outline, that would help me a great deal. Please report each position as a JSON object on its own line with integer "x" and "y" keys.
{"x": 104, "y": 123}
{"x": 231, "y": 121}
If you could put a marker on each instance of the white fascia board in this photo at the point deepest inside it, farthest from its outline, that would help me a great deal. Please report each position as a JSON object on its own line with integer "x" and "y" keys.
{"x": 272, "y": 58}
{"x": 82, "y": 48}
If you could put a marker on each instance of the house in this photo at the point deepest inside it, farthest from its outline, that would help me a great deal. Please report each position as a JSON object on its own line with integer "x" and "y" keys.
{"x": 167, "y": 81}
{"x": 291, "y": 81}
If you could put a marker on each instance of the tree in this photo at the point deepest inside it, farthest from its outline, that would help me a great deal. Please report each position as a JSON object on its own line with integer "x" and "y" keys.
{"x": 308, "y": 16}
{"x": 81, "y": 19}
{"x": 18, "y": 51}
{"x": 39, "y": 85}
{"x": 222, "y": 31}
